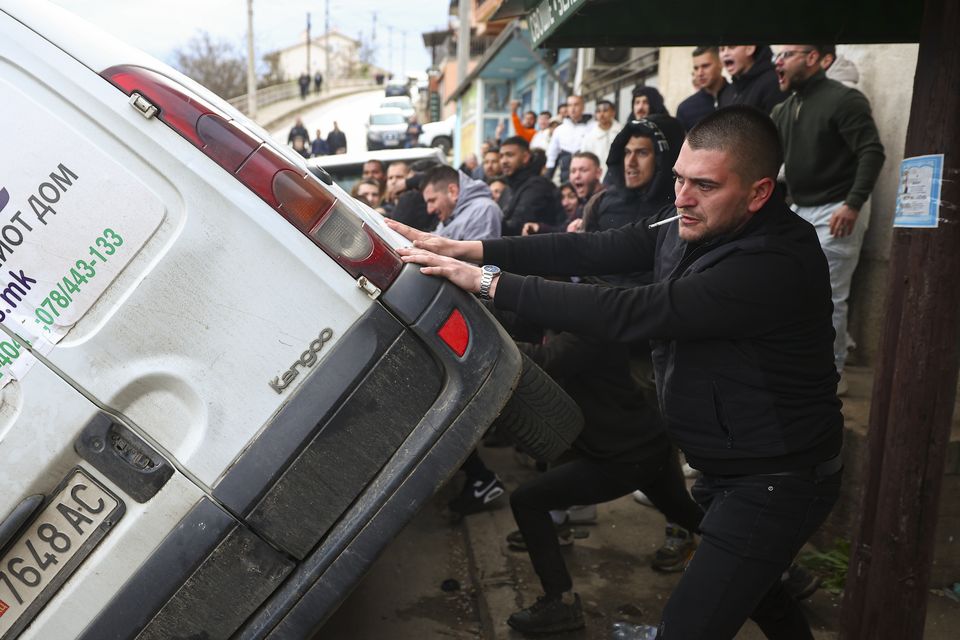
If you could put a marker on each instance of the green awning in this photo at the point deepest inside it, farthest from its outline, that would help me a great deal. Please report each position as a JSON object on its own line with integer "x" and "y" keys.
{"x": 619, "y": 23}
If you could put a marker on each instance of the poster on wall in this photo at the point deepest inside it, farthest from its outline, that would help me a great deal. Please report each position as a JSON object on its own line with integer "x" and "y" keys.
{"x": 918, "y": 192}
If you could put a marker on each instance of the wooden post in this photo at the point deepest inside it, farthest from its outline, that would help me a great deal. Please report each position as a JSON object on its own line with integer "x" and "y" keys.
{"x": 916, "y": 378}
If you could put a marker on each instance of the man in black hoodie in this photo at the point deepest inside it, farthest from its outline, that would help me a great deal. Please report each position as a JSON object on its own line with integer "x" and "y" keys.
{"x": 739, "y": 315}
{"x": 639, "y": 180}
{"x": 531, "y": 197}
{"x": 755, "y": 82}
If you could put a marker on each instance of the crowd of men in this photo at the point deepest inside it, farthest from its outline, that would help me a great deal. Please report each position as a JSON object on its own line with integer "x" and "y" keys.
{"x": 719, "y": 245}
{"x": 333, "y": 143}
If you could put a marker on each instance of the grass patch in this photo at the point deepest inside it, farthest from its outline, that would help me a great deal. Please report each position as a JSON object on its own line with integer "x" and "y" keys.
{"x": 831, "y": 565}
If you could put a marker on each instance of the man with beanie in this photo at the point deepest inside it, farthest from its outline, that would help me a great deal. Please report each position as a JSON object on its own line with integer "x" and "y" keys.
{"x": 754, "y": 79}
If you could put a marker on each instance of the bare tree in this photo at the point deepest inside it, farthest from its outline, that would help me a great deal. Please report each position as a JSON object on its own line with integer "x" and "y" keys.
{"x": 216, "y": 64}
{"x": 274, "y": 73}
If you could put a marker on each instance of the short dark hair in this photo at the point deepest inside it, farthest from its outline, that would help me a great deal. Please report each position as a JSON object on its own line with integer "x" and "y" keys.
{"x": 699, "y": 51}
{"x": 492, "y": 150}
{"x": 441, "y": 176}
{"x": 546, "y": 113}
{"x": 538, "y": 160}
{"x": 530, "y": 113}
{"x": 400, "y": 163}
{"x": 589, "y": 155}
{"x": 378, "y": 162}
{"x": 747, "y": 134}
{"x": 517, "y": 141}
{"x": 824, "y": 49}
{"x": 606, "y": 102}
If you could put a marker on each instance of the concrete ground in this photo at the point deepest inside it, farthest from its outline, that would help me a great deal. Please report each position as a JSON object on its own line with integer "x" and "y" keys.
{"x": 403, "y": 596}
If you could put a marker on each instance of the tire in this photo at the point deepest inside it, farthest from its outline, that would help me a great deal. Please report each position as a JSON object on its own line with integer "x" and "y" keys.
{"x": 443, "y": 143}
{"x": 540, "y": 417}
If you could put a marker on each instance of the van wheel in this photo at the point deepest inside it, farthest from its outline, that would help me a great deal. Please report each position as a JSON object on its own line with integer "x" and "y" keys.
{"x": 443, "y": 143}
{"x": 540, "y": 417}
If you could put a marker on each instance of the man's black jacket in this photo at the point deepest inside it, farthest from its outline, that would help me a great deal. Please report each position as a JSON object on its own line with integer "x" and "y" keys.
{"x": 531, "y": 198}
{"x": 740, "y": 326}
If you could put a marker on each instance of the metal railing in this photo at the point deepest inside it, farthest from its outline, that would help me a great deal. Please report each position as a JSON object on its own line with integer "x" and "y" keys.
{"x": 287, "y": 90}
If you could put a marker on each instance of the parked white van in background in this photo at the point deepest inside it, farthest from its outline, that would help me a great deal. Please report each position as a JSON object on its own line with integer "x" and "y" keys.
{"x": 222, "y": 393}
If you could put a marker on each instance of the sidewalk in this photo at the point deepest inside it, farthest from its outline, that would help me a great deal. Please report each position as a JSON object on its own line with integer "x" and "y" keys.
{"x": 611, "y": 571}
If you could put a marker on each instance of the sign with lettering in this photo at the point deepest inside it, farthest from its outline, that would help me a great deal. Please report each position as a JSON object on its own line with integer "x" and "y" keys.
{"x": 549, "y": 15}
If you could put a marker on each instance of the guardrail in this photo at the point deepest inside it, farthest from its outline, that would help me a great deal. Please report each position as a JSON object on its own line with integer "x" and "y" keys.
{"x": 291, "y": 89}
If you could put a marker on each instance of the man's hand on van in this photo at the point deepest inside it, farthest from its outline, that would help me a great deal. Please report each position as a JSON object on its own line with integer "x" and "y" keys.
{"x": 469, "y": 250}
{"x": 464, "y": 275}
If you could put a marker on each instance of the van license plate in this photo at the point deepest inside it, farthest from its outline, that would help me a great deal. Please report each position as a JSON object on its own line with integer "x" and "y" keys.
{"x": 75, "y": 520}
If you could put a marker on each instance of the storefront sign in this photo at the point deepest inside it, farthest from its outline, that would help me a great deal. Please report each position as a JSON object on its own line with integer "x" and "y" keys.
{"x": 549, "y": 15}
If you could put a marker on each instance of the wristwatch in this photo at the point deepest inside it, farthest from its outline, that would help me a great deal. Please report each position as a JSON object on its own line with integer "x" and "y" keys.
{"x": 488, "y": 273}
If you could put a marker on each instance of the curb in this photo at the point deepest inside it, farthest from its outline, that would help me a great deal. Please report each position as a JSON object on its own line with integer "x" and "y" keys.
{"x": 491, "y": 572}
{"x": 306, "y": 106}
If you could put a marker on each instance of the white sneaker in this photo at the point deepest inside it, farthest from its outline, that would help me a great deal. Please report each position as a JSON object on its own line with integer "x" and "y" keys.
{"x": 642, "y": 498}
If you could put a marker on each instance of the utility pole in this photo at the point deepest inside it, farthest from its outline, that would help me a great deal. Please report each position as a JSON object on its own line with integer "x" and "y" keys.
{"x": 308, "y": 43}
{"x": 373, "y": 38}
{"x": 326, "y": 41}
{"x": 390, "y": 47}
{"x": 403, "y": 53}
{"x": 915, "y": 383}
{"x": 251, "y": 70}
{"x": 463, "y": 39}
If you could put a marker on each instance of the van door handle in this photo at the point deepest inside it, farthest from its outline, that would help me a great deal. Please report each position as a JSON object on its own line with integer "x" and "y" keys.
{"x": 17, "y": 518}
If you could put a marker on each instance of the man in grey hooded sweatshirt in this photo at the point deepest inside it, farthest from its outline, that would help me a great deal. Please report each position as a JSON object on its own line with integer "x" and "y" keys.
{"x": 464, "y": 206}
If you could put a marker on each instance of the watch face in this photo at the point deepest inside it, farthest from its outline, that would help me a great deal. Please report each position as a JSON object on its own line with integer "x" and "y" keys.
{"x": 492, "y": 270}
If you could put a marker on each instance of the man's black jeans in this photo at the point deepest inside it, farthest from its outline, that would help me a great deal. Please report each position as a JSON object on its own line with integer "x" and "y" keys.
{"x": 589, "y": 481}
{"x": 753, "y": 528}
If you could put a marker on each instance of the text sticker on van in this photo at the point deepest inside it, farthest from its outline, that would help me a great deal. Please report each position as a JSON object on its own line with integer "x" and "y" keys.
{"x": 71, "y": 218}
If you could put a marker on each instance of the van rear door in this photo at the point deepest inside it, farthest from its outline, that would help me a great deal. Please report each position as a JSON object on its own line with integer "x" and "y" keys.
{"x": 158, "y": 282}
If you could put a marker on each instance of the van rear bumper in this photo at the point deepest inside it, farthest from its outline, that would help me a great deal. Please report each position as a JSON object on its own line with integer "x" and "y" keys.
{"x": 426, "y": 461}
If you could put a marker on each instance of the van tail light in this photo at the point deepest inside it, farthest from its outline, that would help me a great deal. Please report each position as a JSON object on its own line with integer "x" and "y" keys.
{"x": 455, "y": 332}
{"x": 292, "y": 191}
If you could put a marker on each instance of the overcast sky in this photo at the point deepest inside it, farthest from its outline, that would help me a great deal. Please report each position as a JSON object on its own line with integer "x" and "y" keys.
{"x": 160, "y": 26}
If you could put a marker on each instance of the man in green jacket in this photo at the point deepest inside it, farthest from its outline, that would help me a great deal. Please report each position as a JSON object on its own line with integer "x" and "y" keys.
{"x": 832, "y": 156}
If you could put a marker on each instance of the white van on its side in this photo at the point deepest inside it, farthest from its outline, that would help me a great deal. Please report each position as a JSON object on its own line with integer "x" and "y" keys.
{"x": 221, "y": 392}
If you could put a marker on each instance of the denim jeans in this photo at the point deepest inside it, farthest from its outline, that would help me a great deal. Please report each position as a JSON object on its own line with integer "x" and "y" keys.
{"x": 753, "y": 528}
{"x": 842, "y": 257}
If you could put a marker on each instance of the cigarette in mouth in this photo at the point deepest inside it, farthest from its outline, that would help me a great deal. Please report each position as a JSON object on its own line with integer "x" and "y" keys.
{"x": 657, "y": 224}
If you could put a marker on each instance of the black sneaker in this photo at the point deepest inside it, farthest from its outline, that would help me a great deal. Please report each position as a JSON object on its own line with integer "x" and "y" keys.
{"x": 677, "y": 549}
{"x": 548, "y": 616}
{"x": 476, "y": 496}
{"x": 515, "y": 541}
{"x": 800, "y": 583}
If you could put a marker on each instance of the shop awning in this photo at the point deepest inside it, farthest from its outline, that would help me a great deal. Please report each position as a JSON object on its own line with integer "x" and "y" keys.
{"x": 507, "y": 57}
{"x": 618, "y": 23}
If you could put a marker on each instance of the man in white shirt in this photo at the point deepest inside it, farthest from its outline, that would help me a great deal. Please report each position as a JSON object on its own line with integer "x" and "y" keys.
{"x": 568, "y": 138}
{"x": 601, "y": 132}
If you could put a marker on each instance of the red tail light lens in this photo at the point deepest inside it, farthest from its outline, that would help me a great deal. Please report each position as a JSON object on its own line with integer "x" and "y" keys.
{"x": 286, "y": 187}
{"x": 455, "y": 332}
